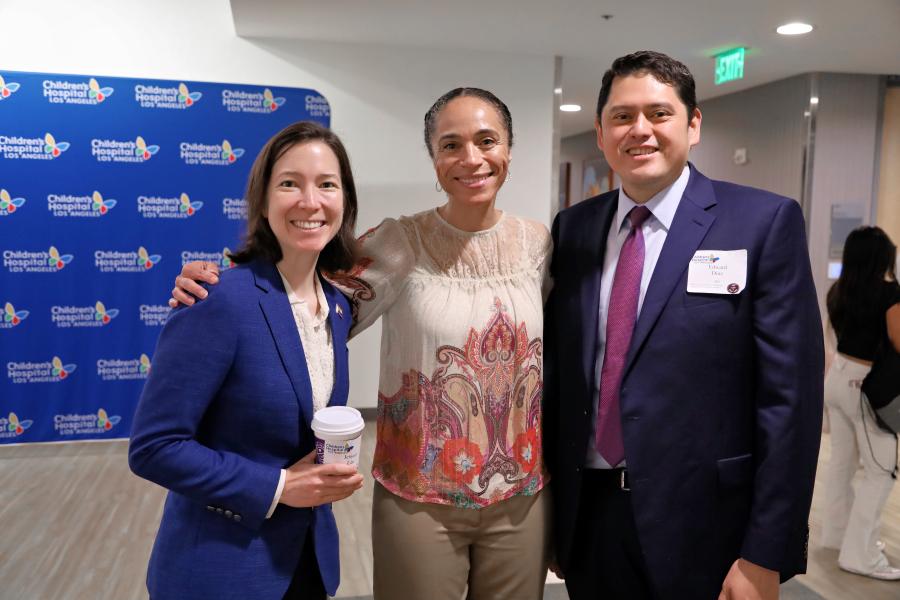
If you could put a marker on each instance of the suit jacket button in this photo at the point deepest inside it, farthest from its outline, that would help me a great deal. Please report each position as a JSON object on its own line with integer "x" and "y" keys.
{"x": 237, "y": 518}
{"x": 219, "y": 511}
{"x": 228, "y": 513}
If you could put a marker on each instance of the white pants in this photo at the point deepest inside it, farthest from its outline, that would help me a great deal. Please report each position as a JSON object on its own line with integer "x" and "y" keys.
{"x": 852, "y": 520}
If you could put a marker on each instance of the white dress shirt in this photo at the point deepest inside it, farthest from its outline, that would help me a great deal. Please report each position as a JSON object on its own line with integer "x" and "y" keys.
{"x": 655, "y": 229}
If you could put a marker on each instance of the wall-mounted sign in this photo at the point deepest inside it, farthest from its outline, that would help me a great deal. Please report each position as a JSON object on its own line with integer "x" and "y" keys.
{"x": 730, "y": 66}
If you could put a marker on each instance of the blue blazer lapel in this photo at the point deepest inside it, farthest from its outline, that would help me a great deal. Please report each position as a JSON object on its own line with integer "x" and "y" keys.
{"x": 594, "y": 231}
{"x": 277, "y": 311}
{"x": 689, "y": 227}
{"x": 339, "y": 317}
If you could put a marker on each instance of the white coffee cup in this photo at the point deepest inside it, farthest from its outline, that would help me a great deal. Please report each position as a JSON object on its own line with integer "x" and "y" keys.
{"x": 338, "y": 432}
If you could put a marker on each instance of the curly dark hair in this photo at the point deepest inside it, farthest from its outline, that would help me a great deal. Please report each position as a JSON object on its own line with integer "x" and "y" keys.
{"x": 260, "y": 242}
{"x": 461, "y": 92}
{"x": 664, "y": 69}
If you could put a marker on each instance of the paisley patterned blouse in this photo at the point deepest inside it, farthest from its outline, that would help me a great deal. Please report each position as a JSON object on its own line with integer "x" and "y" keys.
{"x": 459, "y": 400}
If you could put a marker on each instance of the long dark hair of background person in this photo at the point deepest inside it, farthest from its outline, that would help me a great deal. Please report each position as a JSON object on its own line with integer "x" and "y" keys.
{"x": 869, "y": 256}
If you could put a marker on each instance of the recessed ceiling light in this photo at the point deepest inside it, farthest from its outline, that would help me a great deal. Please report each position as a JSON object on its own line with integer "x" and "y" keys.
{"x": 557, "y": 91}
{"x": 570, "y": 107}
{"x": 794, "y": 28}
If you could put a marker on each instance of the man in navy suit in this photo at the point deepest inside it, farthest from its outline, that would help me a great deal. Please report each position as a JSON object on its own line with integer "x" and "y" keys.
{"x": 683, "y": 365}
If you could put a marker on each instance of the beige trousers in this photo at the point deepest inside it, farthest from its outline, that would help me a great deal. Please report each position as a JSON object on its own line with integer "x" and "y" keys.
{"x": 428, "y": 551}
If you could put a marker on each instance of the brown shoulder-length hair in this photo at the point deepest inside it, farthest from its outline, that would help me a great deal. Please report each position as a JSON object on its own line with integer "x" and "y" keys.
{"x": 259, "y": 241}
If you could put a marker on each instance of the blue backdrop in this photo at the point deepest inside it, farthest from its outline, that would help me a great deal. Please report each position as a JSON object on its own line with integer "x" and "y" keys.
{"x": 107, "y": 187}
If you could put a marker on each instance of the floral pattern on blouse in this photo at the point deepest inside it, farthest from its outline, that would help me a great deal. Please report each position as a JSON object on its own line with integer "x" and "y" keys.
{"x": 459, "y": 400}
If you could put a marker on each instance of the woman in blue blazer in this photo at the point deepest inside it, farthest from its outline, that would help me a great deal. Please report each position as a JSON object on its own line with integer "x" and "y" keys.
{"x": 224, "y": 420}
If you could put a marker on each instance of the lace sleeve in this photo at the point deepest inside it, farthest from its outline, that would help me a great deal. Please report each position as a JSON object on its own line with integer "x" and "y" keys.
{"x": 372, "y": 285}
{"x": 540, "y": 250}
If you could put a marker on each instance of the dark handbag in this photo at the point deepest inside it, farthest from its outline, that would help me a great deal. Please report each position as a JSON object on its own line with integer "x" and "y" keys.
{"x": 881, "y": 388}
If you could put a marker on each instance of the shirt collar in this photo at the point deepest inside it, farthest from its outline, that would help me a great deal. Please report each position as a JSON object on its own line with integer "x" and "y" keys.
{"x": 320, "y": 294}
{"x": 663, "y": 205}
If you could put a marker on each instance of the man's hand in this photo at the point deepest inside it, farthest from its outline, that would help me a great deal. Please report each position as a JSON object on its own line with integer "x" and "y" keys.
{"x": 747, "y": 581}
{"x": 309, "y": 484}
{"x": 186, "y": 289}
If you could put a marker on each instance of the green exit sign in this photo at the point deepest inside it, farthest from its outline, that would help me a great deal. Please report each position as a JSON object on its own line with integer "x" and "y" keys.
{"x": 730, "y": 66}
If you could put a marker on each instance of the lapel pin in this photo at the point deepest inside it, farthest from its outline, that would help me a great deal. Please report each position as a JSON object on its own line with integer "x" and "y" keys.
{"x": 339, "y": 311}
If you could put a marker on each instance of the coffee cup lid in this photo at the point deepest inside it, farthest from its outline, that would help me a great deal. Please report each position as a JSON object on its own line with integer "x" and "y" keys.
{"x": 337, "y": 420}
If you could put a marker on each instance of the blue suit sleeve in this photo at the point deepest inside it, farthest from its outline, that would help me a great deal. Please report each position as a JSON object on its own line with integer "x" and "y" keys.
{"x": 789, "y": 375}
{"x": 192, "y": 360}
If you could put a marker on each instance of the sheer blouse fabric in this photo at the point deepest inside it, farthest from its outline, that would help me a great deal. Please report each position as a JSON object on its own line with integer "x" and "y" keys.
{"x": 459, "y": 399}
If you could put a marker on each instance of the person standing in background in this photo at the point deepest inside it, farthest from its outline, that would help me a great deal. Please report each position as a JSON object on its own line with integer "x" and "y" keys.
{"x": 864, "y": 311}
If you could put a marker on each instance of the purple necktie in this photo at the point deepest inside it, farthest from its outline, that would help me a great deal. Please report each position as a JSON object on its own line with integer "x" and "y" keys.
{"x": 620, "y": 318}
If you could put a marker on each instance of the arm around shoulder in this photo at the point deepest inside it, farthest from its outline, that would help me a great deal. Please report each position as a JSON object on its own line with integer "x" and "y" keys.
{"x": 386, "y": 258}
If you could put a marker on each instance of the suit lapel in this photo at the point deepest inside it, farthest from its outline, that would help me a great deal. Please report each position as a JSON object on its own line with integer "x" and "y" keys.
{"x": 689, "y": 227}
{"x": 277, "y": 311}
{"x": 592, "y": 247}
{"x": 338, "y": 318}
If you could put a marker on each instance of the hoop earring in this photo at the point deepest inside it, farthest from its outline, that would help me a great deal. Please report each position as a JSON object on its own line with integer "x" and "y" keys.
{"x": 437, "y": 186}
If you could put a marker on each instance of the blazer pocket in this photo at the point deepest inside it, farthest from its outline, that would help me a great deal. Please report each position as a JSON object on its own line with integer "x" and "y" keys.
{"x": 693, "y": 301}
{"x": 735, "y": 472}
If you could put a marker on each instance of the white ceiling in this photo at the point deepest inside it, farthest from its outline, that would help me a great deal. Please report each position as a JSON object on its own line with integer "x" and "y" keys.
{"x": 860, "y": 37}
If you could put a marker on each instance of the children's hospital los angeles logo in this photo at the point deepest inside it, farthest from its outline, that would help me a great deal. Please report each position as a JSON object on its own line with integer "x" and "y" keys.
{"x": 87, "y": 424}
{"x": 223, "y": 258}
{"x": 115, "y": 261}
{"x": 17, "y": 147}
{"x": 196, "y": 153}
{"x": 168, "y": 207}
{"x": 154, "y": 315}
{"x": 8, "y": 204}
{"x": 251, "y": 102}
{"x": 175, "y": 98}
{"x": 122, "y": 151}
{"x": 68, "y": 205}
{"x": 12, "y": 317}
{"x": 234, "y": 209}
{"x": 118, "y": 369}
{"x": 53, "y": 371}
{"x": 24, "y": 261}
{"x": 76, "y": 92}
{"x": 65, "y": 316}
{"x": 12, "y": 426}
{"x": 7, "y": 88}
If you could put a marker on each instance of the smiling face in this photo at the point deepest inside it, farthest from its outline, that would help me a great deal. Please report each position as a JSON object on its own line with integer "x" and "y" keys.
{"x": 646, "y": 134}
{"x": 471, "y": 150}
{"x": 305, "y": 199}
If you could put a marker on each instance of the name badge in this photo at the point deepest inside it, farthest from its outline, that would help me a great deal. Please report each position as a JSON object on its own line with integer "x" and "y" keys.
{"x": 717, "y": 272}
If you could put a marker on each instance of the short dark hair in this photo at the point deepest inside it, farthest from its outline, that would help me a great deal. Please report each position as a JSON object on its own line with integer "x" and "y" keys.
{"x": 664, "y": 69}
{"x": 260, "y": 242}
{"x": 461, "y": 92}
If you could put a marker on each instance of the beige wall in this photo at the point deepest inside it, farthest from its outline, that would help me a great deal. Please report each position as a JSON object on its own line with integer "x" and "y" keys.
{"x": 888, "y": 216}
